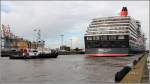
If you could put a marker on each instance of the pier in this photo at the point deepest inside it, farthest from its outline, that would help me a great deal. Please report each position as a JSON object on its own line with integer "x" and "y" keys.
{"x": 139, "y": 72}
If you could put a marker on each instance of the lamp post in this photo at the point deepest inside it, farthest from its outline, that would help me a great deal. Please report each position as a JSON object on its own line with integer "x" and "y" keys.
{"x": 70, "y": 43}
{"x": 37, "y": 37}
{"x": 62, "y": 39}
{"x": 65, "y": 43}
{"x": 34, "y": 39}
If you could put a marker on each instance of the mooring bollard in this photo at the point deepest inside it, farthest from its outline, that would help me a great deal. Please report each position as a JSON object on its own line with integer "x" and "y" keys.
{"x": 135, "y": 62}
{"x": 119, "y": 75}
{"x": 137, "y": 72}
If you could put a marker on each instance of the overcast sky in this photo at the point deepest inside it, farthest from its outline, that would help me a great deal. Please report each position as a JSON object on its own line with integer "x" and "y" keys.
{"x": 70, "y": 18}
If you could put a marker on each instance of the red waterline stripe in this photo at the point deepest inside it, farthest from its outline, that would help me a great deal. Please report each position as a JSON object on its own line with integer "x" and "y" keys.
{"x": 106, "y": 55}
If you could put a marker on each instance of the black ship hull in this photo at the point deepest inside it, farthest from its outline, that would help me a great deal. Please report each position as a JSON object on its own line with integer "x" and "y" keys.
{"x": 107, "y": 52}
{"x": 106, "y": 47}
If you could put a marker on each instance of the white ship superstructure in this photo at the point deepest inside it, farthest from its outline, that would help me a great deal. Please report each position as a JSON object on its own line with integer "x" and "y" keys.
{"x": 122, "y": 32}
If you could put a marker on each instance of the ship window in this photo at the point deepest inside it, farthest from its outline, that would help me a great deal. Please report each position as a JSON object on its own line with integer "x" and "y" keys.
{"x": 100, "y": 38}
{"x": 104, "y": 37}
{"x": 97, "y": 37}
{"x": 113, "y": 37}
{"x": 94, "y": 38}
{"x": 120, "y": 37}
{"x": 97, "y": 44}
{"x": 89, "y": 38}
{"x": 113, "y": 45}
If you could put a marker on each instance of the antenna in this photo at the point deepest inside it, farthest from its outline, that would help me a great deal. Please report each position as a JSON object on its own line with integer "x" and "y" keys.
{"x": 38, "y": 33}
{"x": 124, "y": 3}
{"x": 71, "y": 43}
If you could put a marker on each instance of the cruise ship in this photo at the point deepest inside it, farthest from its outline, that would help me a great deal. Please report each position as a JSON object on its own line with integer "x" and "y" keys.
{"x": 114, "y": 36}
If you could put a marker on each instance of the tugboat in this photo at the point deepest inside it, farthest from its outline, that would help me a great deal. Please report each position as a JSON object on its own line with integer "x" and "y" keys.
{"x": 114, "y": 36}
{"x": 33, "y": 54}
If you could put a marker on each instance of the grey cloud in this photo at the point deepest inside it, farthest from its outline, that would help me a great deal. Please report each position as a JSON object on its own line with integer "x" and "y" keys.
{"x": 57, "y": 17}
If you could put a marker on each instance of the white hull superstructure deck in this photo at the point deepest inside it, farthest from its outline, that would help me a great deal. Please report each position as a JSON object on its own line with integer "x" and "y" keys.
{"x": 119, "y": 34}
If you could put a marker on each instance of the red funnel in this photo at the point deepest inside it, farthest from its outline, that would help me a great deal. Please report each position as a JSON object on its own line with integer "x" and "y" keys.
{"x": 124, "y": 11}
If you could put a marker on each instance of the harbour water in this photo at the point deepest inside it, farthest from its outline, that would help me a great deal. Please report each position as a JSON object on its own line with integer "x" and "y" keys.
{"x": 66, "y": 69}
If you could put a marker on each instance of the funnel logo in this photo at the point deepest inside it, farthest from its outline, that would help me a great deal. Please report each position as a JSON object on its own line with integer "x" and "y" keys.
{"x": 124, "y": 11}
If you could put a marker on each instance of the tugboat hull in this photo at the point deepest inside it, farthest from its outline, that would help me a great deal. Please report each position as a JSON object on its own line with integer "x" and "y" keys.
{"x": 40, "y": 56}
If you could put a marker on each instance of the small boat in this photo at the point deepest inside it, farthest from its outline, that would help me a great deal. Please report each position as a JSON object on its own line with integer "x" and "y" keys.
{"x": 7, "y": 53}
{"x": 22, "y": 57}
{"x": 52, "y": 54}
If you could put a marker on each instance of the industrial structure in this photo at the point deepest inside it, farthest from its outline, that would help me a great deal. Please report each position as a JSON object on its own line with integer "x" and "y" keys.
{"x": 10, "y": 41}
